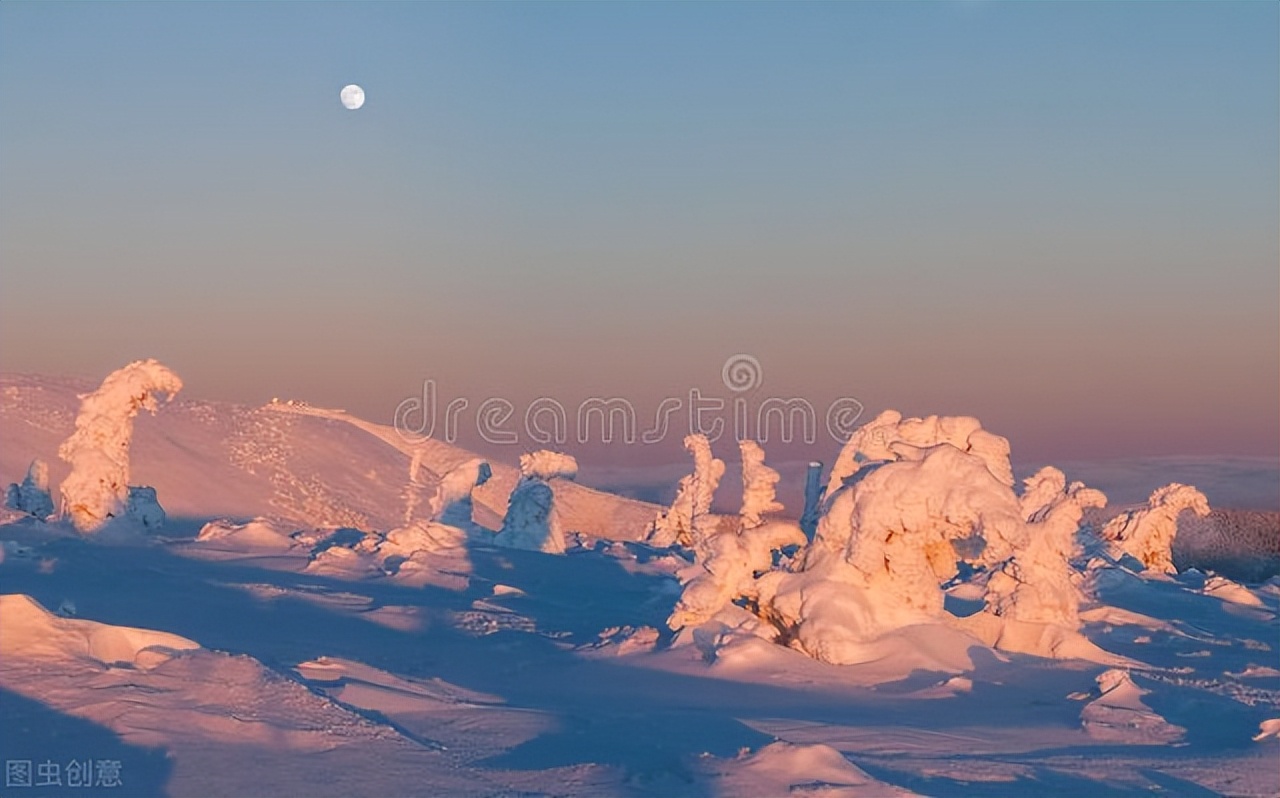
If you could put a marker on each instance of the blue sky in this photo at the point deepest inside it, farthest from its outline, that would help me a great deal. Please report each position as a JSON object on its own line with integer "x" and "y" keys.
{"x": 1059, "y": 217}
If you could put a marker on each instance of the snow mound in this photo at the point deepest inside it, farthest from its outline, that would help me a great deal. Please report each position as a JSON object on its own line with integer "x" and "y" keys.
{"x": 32, "y": 495}
{"x": 1120, "y": 715}
{"x": 784, "y": 768}
{"x": 260, "y": 534}
{"x": 29, "y": 631}
{"x": 1222, "y": 588}
{"x": 1147, "y": 534}
{"x": 97, "y": 488}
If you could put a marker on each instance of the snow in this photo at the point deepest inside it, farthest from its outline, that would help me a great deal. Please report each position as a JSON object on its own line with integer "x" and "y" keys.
{"x": 329, "y": 611}
{"x": 29, "y": 631}
{"x": 97, "y": 488}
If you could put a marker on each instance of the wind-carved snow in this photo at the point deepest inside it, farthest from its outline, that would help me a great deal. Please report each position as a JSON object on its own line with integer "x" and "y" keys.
{"x": 32, "y": 495}
{"x": 29, "y": 631}
{"x": 689, "y": 516}
{"x": 531, "y": 521}
{"x": 97, "y": 489}
{"x": 1147, "y": 534}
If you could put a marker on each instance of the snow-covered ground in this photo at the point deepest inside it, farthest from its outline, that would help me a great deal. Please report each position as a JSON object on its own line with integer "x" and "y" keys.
{"x": 325, "y": 612}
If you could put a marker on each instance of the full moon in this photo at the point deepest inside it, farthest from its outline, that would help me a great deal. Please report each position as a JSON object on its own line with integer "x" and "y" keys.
{"x": 352, "y": 96}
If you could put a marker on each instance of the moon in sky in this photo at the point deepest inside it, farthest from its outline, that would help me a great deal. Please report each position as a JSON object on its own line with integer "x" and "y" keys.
{"x": 352, "y": 97}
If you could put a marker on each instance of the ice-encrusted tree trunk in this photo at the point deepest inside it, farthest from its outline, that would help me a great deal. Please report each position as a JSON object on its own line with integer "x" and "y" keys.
{"x": 32, "y": 495}
{"x": 689, "y": 517}
{"x": 813, "y": 493}
{"x": 531, "y": 521}
{"x": 97, "y": 489}
{"x": 1147, "y": 534}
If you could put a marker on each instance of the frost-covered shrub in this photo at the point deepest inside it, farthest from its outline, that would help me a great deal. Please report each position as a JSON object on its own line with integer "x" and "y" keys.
{"x": 97, "y": 488}
{"x": 1147, "y": 534}
{"x": 689, "y": 516}
{"x": 32, "y": 495}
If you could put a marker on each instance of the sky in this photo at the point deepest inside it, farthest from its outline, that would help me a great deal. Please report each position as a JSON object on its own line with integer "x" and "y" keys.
{"x": 1061, "y": 218}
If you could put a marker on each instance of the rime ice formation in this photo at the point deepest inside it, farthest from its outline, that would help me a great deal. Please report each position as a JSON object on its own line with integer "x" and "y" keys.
{"x": 1147, "y": 534}
{"x": 531, "y": 521}
{"x": 452, "y": 502}
{"x": 143, "y": 507}
{"x": 32, "y": 495}
{"x": 917, "y": 498}
{"x": 545, "y": 464}
{"x": 728, "y": 559}
{"x": 1036, "y": 584}
{"x": 759, "y": 486}
{"x": 875, "y": 441}
{"x": 97, "y": 488}
{"x": 689, "y": 516}
{"x": 883, "y": 547}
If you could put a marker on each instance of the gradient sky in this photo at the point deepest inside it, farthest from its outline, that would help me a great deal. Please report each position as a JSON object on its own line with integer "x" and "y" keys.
{"x": 1060, "y": 218}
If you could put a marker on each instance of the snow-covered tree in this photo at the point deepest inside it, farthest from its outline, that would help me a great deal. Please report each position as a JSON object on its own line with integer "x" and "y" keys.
{"x": 97, "y": 488}
{"x": 32, "y": 495}
{"x": 1037, "y": 583}
{"x": 875, "y": 441}
{"x": 689, "y": 518}
{"x": 759, "y": 486}
{"x": 1147, "y": 533}
{"x": 452, "y": 501}
{"x": 531, "y": 521}
{"x": 728, "y": 558}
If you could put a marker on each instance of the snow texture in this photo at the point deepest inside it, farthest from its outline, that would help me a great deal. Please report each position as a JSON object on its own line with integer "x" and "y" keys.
{"x": 32, "y": 495}
{"x": 97, "y": 488}
{"x": 1147, "y": 534}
